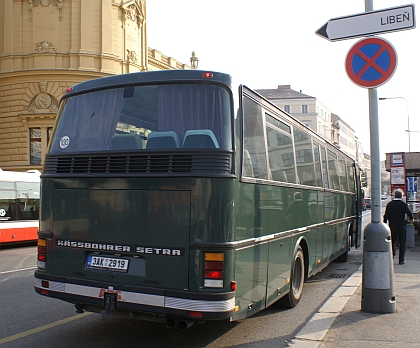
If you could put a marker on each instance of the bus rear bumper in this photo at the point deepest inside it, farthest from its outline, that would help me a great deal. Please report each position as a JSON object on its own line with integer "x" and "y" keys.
{"x": 94, "y": 296}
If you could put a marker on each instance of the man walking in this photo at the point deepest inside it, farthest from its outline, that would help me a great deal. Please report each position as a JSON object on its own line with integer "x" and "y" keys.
{"x": 395, "y": 213}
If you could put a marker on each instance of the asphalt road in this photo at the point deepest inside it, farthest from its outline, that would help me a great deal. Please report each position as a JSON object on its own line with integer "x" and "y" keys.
{"x": 30, "y": 320}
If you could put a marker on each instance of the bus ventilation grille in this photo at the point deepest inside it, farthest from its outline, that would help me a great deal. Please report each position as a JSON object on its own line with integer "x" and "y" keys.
{"x": 146, "y": 164}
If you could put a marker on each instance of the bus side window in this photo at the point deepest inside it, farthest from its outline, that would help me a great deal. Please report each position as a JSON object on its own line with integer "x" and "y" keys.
{"x": 280, "y": 155}
{"x": 333, "y": 171}
{"x": 318, "y": 170}
{"x": 304, "y": 158}
{"x": 350, "y": 175}
{"x": 248, "y": 170}
{"x": 324, "y": 168}
{"x": 254, "y": 140}
{"x": 344, "y": 183}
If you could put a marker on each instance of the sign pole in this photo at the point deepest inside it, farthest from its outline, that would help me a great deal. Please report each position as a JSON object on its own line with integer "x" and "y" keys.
{"x": 375, "y": 156}
{"x": 378, "y": 295}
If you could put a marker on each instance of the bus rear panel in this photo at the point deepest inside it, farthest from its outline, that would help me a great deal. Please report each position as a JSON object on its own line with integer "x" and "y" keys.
{"x": 134, "y": 176}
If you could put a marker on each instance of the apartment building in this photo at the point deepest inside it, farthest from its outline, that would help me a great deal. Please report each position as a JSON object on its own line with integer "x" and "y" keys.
{"x": 343, "y": 136}
{"x": 307, "y": 109}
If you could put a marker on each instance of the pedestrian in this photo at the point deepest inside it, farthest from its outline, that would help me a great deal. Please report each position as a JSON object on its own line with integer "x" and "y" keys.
{"x": 395, "y": 213}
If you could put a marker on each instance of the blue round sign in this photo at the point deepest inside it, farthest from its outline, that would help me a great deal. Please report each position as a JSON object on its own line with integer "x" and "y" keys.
{"x": 371, "y": 62}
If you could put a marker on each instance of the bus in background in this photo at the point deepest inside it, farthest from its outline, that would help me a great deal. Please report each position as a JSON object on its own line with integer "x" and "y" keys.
{"x": 162, "y": 200}
{"x": 19, "y": 206}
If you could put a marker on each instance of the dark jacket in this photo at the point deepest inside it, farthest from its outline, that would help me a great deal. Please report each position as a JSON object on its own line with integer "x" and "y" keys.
{"x": 395, "y": 213}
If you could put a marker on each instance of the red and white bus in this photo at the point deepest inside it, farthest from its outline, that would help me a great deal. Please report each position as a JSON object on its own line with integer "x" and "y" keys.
{"x": 19, "y": 206}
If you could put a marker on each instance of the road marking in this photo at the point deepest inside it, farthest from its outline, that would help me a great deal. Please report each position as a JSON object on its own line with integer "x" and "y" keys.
{"x": 43, "y": 328}
{"x": 18, "y": 270}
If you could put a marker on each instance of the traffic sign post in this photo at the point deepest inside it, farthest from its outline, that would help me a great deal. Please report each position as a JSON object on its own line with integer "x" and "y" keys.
{"x": 369, "y": 23}
{"x": 371, "y": 62}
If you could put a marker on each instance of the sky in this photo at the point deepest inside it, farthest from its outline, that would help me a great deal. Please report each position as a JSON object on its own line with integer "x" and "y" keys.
{"x": 266, "y": 43}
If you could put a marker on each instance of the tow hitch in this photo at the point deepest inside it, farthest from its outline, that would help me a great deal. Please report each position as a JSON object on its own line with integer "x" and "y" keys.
{"x": 110, "y": 301}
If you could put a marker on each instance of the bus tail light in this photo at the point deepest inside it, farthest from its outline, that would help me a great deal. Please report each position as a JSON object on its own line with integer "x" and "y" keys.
{"x": 213, "y": 270}
{"x": 46, "y": 285}
{"x": 42, "y": 253}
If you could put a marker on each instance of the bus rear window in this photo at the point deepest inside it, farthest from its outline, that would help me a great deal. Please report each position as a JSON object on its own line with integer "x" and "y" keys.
{"x": 145, "y": 117}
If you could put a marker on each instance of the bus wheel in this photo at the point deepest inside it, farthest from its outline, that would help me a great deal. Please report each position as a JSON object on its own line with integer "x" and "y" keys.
{"x": 296, "y": 281}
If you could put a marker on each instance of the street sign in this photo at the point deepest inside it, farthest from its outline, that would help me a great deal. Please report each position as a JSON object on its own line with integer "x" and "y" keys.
{"x": 369, "y": 23}
{"x": 371, "y": 62}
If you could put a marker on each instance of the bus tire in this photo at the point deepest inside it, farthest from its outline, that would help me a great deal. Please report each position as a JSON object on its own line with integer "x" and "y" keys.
{"x": 297, "y": 279}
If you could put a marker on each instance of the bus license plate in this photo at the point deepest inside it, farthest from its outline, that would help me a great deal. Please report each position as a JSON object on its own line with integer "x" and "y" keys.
{"x": 107, "y": 263}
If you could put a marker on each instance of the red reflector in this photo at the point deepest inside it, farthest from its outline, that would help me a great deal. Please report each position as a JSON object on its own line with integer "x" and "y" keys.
{"x": 207, "y": 75}
{"x": 233, "y": 286}
{"x": 42, "y": 257}
{"x": 45, "y": 284}
{"x": 196, "y": 314}
{"x": 213, "y": 266}
{"x": 42, "y": 250}
{"x": 213, "y": 274}
{"x": 45, "y": 292}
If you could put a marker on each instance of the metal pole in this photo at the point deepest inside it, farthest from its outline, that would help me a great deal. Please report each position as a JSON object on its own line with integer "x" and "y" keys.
{"x": 368, "y": 5}
{"x": 374, "y": 146}
{"x": 378, "y": 294}
{"x": 408, "y": 126}
{"x": 375, "y": 157}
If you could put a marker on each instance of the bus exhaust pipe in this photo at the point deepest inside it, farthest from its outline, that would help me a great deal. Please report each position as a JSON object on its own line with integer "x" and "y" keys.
{"x": 171, "y": 322}
{"x": 184, "y": 325}
{"x": 79, "y": 308}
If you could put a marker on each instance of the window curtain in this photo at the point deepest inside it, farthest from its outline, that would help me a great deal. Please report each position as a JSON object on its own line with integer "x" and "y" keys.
{"x": 185, "y": 107}
{"x": 89, "y": 120}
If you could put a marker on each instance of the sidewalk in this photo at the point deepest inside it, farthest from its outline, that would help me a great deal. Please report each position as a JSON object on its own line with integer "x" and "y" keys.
{"x": 341, "y": 323}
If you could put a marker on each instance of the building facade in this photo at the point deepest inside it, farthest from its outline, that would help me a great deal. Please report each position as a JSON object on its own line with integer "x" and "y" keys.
{"x": 47, "y": 46}
{"x": 308, "y": 110}
{"x": 315, "y": 115}
{"x": 343, "y": 136}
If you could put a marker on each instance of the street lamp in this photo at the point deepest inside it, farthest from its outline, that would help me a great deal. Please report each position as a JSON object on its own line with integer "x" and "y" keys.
{"x": 408, "y": 119}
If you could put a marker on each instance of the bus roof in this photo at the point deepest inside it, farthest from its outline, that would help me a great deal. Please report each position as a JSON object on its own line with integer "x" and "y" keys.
{"x": 165, "y": 76}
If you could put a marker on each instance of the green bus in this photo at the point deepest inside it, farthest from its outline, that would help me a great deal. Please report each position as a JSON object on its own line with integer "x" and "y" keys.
{"x": 162, "y": 200}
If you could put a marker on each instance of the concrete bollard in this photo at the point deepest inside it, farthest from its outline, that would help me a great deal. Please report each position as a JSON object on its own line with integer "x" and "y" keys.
{"x": 410, "y": 235}
{"x": 378, "y": 292}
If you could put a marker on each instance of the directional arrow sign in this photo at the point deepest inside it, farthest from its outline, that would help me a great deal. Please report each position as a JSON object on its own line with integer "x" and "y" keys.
{"x": 369, "y": 23}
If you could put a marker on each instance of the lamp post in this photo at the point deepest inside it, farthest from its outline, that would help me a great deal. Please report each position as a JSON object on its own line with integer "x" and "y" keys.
{"x": 408, "y": 119}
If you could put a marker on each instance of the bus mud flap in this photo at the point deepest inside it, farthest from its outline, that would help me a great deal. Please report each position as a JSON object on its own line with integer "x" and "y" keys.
{"x": 110, "y": 301}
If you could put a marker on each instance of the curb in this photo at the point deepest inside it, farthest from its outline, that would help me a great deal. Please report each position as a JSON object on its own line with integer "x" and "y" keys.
{"x": 317, "y": 327}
